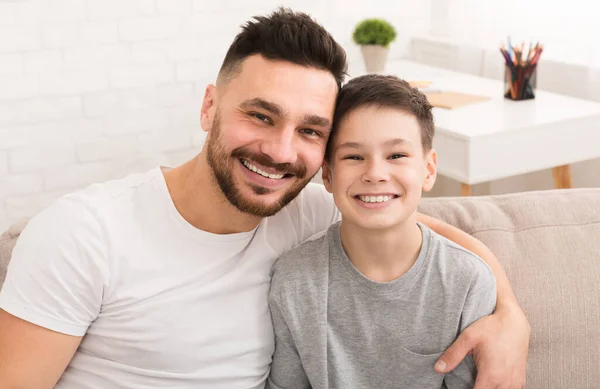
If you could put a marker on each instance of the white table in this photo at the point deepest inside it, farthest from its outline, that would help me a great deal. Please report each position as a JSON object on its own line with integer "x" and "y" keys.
{"x": 498, "y": 138}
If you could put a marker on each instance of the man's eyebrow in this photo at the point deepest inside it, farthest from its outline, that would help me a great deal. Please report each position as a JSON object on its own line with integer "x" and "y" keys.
{"x": 316, "y": 120}
{"x": 257, "y": 102}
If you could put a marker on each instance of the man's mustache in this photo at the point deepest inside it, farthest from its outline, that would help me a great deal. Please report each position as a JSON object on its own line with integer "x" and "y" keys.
{"x": 266, "y": 161}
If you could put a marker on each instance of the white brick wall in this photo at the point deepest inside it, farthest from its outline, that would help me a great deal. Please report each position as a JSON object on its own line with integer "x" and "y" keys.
{"x": 10, "y": 64}
{"x": 105, "y": 31}
{"x": 41, "y": 157}
{"x": 95, "y": 89}
{"x": 18, "y": 87}
{"x": 55, "y": 36}
{"x": 13, "y": 39}
{"x": 45, "y": 61}
{"x": 3, "y": 162}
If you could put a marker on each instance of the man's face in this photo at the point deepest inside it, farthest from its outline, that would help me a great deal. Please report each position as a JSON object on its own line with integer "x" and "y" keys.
{"x": 267, "y": 131}
{"x": 378, "y": 168}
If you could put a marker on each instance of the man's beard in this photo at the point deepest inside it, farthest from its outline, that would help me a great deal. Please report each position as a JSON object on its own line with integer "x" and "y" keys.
{"x": 222, "y": 165}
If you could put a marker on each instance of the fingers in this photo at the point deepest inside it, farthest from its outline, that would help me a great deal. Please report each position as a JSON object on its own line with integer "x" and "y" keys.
{"x": 454, "y": 355}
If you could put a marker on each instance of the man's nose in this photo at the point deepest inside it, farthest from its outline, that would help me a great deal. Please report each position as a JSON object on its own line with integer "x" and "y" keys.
{"x": 281, "y": 146}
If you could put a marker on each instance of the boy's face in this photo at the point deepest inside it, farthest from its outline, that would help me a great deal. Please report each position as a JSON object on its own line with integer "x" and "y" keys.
{"x": 378, "y": 168}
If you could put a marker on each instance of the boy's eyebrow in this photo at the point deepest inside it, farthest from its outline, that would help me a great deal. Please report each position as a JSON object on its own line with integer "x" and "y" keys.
{"x": 257, "y": 102}
{"x": 389, "y": 143}
{"x": 348, "y": 145}
{"x": 397, "y": 141}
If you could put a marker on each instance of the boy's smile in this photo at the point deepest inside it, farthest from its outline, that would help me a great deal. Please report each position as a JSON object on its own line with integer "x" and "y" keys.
{"x": 375, "y": 200}
{"x": 378, "y": 167}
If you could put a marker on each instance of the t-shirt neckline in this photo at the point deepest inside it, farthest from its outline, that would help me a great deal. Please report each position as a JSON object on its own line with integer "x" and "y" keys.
{"x": 180, "y": 221}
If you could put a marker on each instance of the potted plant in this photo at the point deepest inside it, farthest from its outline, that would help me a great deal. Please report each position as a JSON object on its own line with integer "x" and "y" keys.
{"x": 374, "y": 36}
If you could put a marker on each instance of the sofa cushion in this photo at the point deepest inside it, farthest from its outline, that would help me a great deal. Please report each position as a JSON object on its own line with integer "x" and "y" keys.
{"x": 549, "y": 244}
{"x": 7, "y": 242}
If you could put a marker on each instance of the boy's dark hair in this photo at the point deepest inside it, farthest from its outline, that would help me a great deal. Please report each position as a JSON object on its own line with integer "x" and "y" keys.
{"x": 287, "y": 36}
{"x": 384, "y": 91}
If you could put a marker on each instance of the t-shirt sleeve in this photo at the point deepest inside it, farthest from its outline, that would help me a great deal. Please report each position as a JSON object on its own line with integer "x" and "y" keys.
{"x": 480, "y": 302}
{"x": 287, "y": 371}
{"x": 58, "y": 271}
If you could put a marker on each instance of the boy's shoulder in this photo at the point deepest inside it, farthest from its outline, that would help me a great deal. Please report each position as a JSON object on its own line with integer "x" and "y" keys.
{"x": 308, "y": 258}
{"x": 456, "y": 262}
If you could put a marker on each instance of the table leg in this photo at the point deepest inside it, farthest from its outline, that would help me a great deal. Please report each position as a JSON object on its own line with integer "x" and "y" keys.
{"x": 562, "y": 177}
{"x": 465, "y": 190}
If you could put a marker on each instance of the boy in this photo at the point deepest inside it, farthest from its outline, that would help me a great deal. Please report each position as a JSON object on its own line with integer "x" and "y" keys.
{"x": 376, "y": 299}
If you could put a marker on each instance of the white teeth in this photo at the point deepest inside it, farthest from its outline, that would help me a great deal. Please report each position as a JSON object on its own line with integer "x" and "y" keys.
{"x": 375, "y": 199}
{"x": 262, "y": 173}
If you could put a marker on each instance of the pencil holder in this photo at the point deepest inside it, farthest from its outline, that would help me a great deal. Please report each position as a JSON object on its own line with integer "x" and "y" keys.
{"x": 520, "y": 81}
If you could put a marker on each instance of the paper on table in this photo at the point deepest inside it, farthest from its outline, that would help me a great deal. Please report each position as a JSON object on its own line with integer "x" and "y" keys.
{"x": 451, "y": 100}
{"x": 425, "y": 86}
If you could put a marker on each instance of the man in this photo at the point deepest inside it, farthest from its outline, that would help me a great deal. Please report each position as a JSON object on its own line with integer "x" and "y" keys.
{"x": 161, "y": 279}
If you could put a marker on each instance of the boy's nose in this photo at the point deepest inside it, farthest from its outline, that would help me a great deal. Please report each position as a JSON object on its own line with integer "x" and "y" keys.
{"x": 376, "y": 171}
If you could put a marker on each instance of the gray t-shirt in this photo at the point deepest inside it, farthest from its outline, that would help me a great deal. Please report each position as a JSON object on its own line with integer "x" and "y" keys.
{"x": 335, "y": 328}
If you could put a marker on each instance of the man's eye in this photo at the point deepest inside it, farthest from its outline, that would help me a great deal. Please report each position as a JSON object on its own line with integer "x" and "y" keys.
{"x": 261, "y": 117}
{"x": 311, "y": 132}
{"x": 397, "y": 156}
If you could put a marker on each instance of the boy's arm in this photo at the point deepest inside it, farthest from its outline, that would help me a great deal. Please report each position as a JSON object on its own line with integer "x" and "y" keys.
{"x": 286, "y": 369}
{"x": 500, "y": 340}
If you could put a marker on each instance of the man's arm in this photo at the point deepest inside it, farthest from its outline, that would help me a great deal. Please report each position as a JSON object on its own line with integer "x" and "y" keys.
{"x": 32, "y": 357}
{"x": 53, "y": 291}
{"x": 499, "y": 342}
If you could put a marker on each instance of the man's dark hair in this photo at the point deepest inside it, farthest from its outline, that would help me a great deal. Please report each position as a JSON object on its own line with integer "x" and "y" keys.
{"x": 287, "y": 36}
{"x": 384, "y": 91}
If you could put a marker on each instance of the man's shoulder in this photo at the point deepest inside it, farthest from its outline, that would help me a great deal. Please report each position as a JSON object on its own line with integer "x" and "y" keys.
{"x": 314, "y": 196}
{"x": 121, "y": 188}
{"x": 310, "y": 213}
{"x": 88, "y": 209}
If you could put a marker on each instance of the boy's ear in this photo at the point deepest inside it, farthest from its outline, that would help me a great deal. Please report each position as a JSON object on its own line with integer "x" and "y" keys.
{"x": 430, "y": 170}
{"x": 326, "y": 176}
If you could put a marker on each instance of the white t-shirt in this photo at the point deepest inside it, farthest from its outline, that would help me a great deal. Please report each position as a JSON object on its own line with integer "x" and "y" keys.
{"x": 161, "y": 303}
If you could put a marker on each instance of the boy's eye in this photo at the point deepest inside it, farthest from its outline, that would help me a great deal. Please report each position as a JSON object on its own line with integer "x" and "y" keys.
{"x": 397, "y": 156}
{"x": 353, "y": 157}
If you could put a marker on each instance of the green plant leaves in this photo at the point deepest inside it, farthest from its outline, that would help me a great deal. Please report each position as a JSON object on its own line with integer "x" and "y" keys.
{"x": 374, "y": 32}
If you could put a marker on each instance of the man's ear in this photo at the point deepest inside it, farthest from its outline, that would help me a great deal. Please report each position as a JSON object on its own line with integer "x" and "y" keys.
{"x": 207, "y": 112}
{"x": 326, "y": 176}
{"x": 430, "y": 170}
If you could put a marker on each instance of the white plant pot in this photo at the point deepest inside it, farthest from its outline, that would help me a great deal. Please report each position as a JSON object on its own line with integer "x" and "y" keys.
{"x": 375, "y": 57}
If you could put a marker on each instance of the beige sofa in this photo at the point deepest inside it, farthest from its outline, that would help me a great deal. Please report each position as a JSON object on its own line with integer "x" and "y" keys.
{"x": 549, "y": 244}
